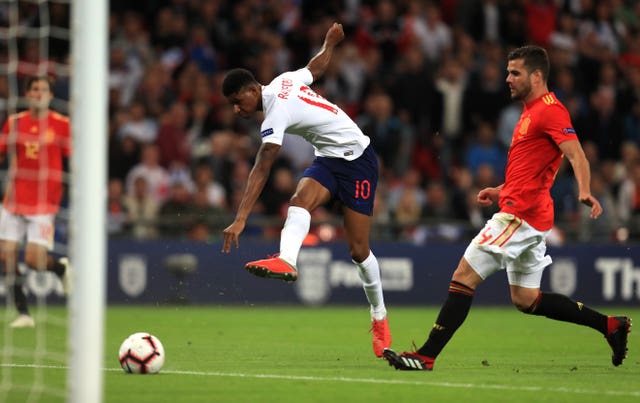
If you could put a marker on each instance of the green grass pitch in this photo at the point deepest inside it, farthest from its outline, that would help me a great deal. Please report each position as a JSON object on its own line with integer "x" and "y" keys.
{"x": 301, "y": 354}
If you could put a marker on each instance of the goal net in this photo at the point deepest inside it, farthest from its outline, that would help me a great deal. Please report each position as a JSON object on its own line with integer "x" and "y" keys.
{"x": 45, "y": 161}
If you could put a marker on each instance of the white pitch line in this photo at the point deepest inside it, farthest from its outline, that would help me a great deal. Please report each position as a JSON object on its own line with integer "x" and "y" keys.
{"x": 453, "y": 385}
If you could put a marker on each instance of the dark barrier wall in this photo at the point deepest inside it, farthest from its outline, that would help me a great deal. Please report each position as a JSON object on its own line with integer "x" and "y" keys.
{"x": 189, "y": 272}
{"x": 159, "y": 272}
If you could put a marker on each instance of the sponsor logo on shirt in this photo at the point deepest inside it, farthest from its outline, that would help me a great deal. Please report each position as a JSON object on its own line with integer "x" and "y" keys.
{"x": 568, "y": 130}
{"x": 266, "y": 132}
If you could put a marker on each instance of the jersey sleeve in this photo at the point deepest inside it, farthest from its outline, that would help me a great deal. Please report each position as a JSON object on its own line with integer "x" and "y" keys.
{"x": 558, "y": 125}
{"x": 303, "y": 75}
{"x": 275, "y": 122}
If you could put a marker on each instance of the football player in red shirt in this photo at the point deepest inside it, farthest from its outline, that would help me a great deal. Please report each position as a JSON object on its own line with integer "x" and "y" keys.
{"x": 514, "y": 238}
{"x": 35, "y": 142}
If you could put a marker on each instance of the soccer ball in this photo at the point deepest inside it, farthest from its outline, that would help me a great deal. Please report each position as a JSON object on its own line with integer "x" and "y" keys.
{"x": 141, "y": 353}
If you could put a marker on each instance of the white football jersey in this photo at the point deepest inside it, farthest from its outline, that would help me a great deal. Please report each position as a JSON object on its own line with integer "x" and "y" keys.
{"x": 291, "y": 107}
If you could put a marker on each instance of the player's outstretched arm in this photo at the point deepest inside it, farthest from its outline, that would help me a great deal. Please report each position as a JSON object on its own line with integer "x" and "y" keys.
{"x": 319, "y": 63}
{"x": 575, "y": 154}
{"x": 257, "y": 178}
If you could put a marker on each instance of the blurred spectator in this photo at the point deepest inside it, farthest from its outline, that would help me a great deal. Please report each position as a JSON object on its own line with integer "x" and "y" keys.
{"x": 173, "y": 139}
{"x": 143, "y": 210}
{"x": 563, "y": 192}
{"x": 437, "y": 205}
{"x": 541, "y": 20}
{"x": 451, "y": 85}
{"x": 205, "y": 183}
{"x": 604, "y": 126}
{"x": 414, "y": 93}
{"x": 507, "y": 120}
{"x": 199, "y": 231}
{"x": 630, "y": 56}
{"x": 385, "y": 32}
{"x": 199, "y": 129}
{"x": 279, "y": 189}
{"x": 156, "y": 92}
{"x": 602, "y": 229}
{"x": 139, "y": 126}
{"x": 200, "y": 51}
{"x": 220, "y": 158}
{"x": 605, "y": 28}
{"x": 133, "y": 37}
{"x": 486, "y": 96}
{"x": 381, "y": 211}
{"x": 409, "y": 184}
{"x": 124, "y": 154}
{"x": 125, "y": 73}
{"x": 177, "y": 212}
{"x": 563, "y": 40}
{"x": 485, "y": 176}
{"x": 632, "y": 124}
{"x": 462, "y": 184}
{"x": 514, "y": 31}
{"x": 391, "y": 138}
{"x": 298, "y": 152}
{"x": 438, "y": 214}
{"x": 564, "y": 87}
{"x": 204, "y": 217}
{"x": 629, "y": 95}
{"x": 352, "y": 68}
{"x": 117, "y": 213}
{"x": 149, "y": 168}
{"x": 486, "y": 149}
{"x": 407, "y": 212}
{"x": 629, "y": 199}
{"x": 484, "y": 20}
{"x": 433, "y": 35}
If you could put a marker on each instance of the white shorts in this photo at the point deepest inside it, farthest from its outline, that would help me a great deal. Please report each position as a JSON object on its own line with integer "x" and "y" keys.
{"x": 37, "y": 228}
{"x": 508, "y": 242}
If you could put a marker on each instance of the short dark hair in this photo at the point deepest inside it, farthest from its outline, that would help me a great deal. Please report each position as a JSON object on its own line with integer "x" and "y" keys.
{"x": 35, "y": 79}
{"x": 535, "y": 58}
{"x": 235, "y": 80}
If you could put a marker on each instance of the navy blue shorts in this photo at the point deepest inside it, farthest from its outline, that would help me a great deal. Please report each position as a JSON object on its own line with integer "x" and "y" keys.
{"x": 352, "y": 182}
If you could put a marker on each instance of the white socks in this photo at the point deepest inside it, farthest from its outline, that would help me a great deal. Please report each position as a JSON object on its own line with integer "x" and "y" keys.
{"x": 296, "y": 228}
{"x": 369, "y": 273}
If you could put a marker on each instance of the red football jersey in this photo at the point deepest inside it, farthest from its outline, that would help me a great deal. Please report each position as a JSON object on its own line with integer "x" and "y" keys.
{"x": 35, "y": 149}
{"x": 534, "y": 159}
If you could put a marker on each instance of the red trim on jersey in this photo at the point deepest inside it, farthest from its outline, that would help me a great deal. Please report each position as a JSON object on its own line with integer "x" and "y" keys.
{"x": 322, "y": 105}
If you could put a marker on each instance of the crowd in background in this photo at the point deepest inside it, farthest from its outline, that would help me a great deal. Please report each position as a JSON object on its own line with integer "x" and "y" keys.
{"x": 425, "y": 80}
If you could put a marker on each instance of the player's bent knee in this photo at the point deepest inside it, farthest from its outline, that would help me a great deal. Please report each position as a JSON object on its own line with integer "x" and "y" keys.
{"x": 359, "y": 253}
{"x": 523, "y": 303}
{"x": 524, "y": 298}
{"x": 522, "y": 308}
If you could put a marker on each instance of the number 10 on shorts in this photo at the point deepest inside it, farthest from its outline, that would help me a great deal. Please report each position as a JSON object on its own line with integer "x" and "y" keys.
{"x": 363, "y": 189}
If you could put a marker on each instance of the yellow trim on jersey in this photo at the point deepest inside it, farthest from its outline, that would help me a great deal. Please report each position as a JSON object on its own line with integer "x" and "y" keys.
{"x": 548, "y": 99}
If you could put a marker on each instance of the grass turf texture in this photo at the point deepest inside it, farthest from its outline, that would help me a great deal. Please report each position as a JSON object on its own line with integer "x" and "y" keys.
{"x": 282, "y": 354}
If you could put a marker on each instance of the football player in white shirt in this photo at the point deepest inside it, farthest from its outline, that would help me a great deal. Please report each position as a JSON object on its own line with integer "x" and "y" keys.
{"x": 345, "y": 168}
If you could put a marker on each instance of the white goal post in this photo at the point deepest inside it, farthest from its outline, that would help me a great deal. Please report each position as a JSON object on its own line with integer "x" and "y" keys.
{"x": 88, "y": 199}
